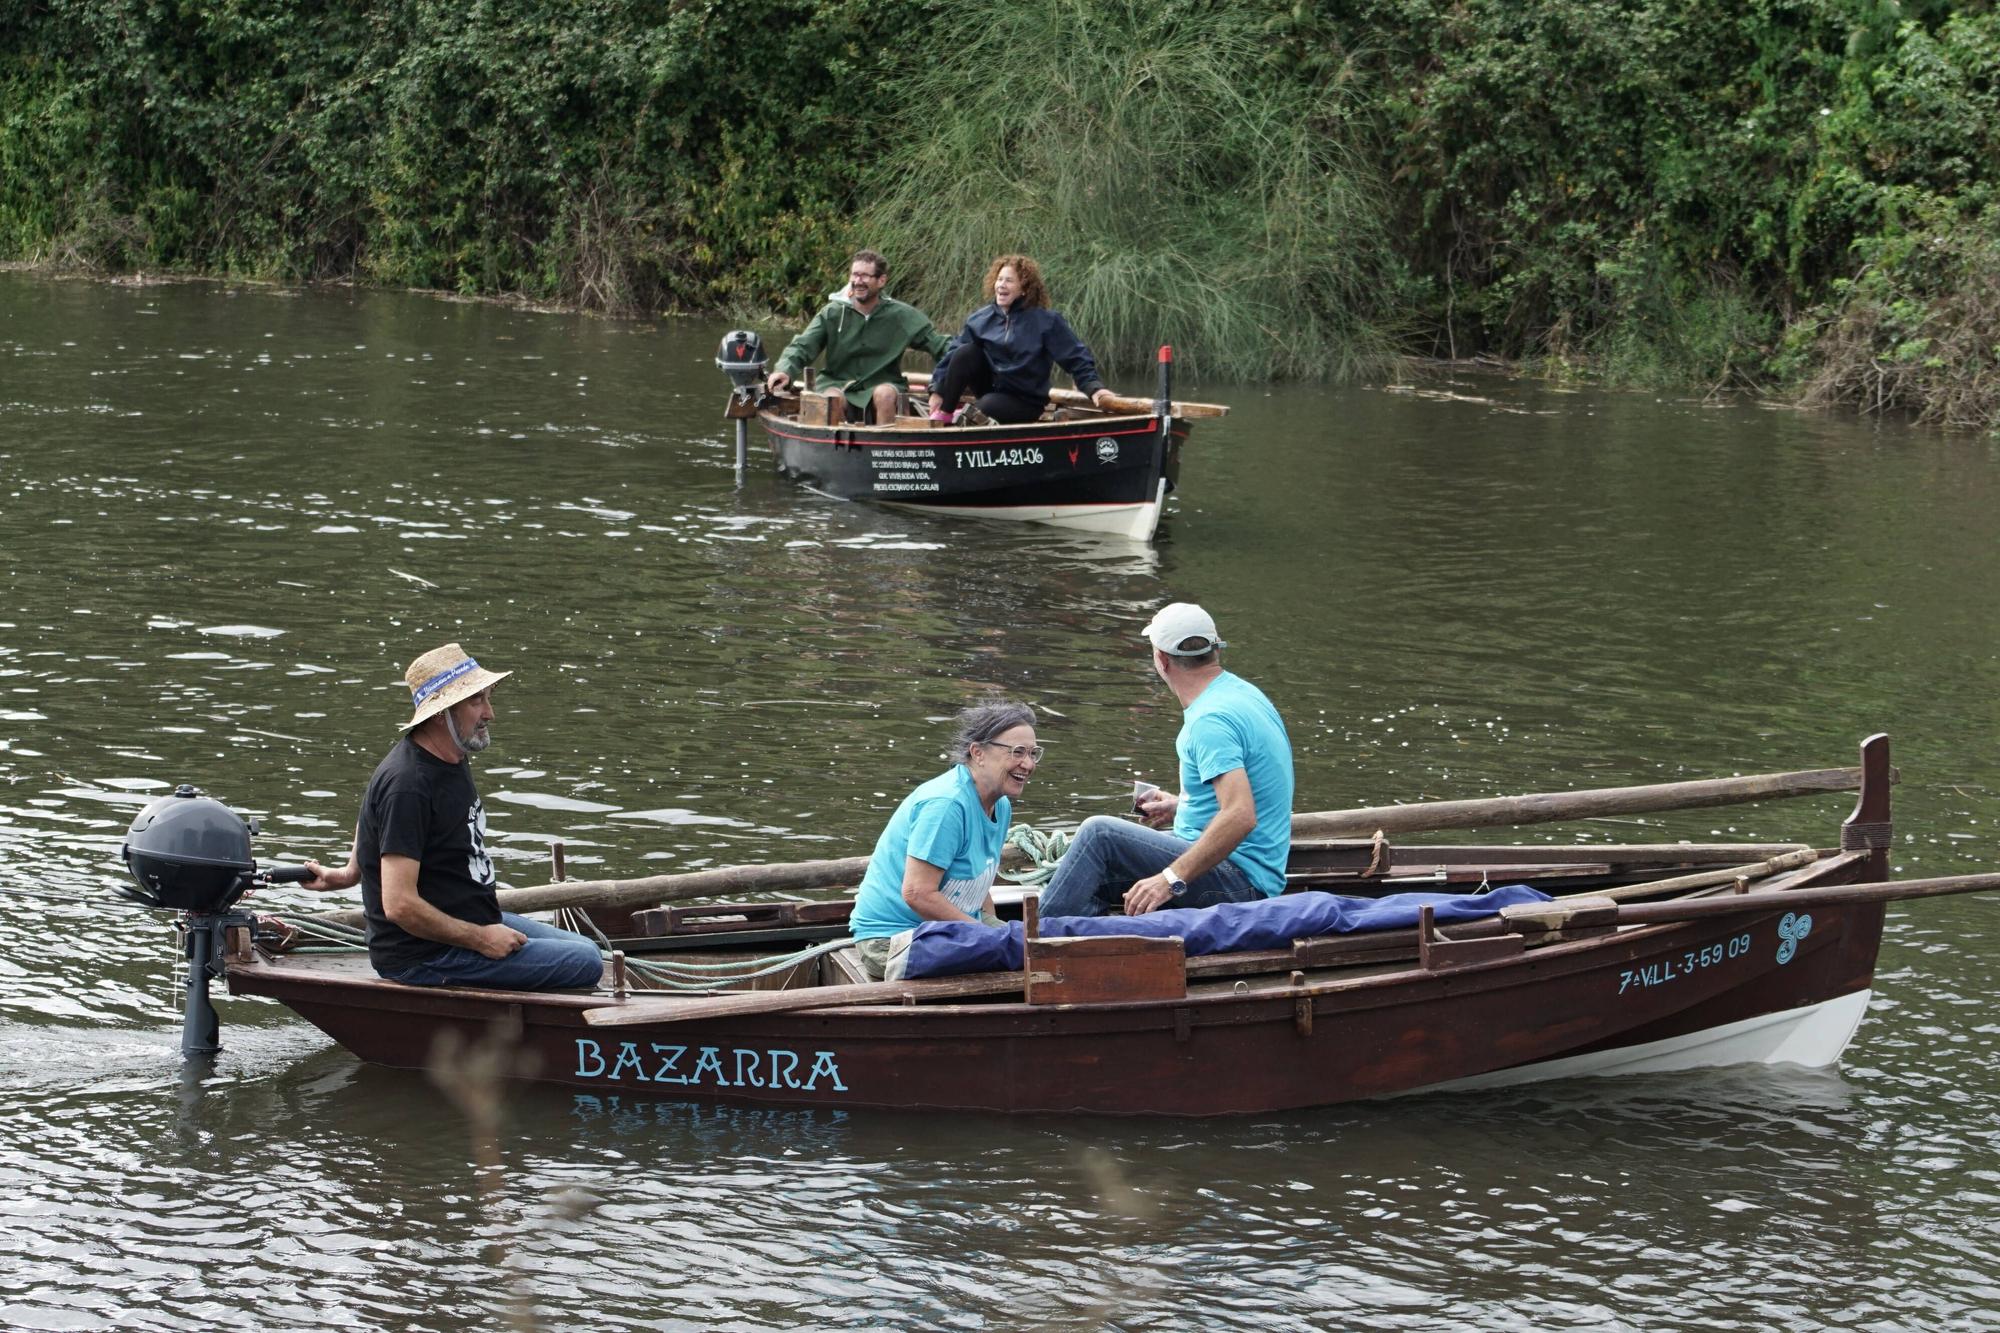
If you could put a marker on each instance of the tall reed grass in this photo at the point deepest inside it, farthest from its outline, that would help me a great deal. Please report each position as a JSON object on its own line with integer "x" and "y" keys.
{"x": 1172, "y": 189}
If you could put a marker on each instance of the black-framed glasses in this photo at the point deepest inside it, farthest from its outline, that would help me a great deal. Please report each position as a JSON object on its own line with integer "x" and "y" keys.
{"x": 1018, "y": 752}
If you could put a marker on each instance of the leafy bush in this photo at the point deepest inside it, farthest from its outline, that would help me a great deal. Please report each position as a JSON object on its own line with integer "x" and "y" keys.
{"x": 612, "y": 153}
{"x": 1917, "y": 330}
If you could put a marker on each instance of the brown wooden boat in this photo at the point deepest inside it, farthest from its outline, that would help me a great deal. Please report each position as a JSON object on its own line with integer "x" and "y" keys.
{"x": 1649, "y": 958}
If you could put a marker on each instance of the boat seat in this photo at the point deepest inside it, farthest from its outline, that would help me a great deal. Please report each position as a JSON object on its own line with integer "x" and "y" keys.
{"x": 843, "y": 968}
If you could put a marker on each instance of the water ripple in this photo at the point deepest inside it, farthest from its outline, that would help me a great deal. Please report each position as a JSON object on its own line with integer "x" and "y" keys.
{"x": 246, "y": 510}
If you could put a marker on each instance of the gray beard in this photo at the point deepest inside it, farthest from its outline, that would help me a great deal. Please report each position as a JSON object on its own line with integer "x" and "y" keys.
{"x": 472, "y": 744}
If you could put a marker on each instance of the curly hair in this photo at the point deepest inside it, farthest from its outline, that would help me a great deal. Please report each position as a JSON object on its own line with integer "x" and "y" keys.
{"x": 1033, "y": 293}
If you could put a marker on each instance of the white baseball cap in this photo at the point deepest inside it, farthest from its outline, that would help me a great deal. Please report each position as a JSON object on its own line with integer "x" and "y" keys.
{"x": 1176, "y": 626}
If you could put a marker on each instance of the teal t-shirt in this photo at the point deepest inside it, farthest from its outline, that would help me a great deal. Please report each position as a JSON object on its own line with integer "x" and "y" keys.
{"x": 941, "y": 823}
{"x": 1231, "y": 725}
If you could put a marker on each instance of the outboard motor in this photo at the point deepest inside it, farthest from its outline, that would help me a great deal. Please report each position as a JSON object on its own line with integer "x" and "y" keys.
{"x": 191, "y": 854}
{"x": 742, "y": 359}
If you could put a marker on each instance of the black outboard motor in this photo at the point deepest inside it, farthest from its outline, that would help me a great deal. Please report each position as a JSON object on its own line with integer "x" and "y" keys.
{"x": 191, "y": 854}
{"x": 741, "y": 357}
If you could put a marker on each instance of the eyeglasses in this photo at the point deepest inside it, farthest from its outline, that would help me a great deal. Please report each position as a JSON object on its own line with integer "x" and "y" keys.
{"x": 1019, "y": 752}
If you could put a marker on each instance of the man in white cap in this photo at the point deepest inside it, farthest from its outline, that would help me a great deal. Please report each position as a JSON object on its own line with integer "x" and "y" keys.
{"x": 1232, "y": 821}
{"x": 427, "y": 882}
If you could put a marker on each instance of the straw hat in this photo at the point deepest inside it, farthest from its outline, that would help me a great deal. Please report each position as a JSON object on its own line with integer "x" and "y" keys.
{"x": 445, "y": 676}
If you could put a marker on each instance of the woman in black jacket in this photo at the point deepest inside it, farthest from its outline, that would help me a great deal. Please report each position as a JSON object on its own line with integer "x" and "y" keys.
{"x": 1007, "y": 349}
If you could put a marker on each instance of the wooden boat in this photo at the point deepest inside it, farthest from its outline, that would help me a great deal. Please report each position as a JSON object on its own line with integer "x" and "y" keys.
{"x": 1078, "y": 467}
{"x": 1649, "y": 958}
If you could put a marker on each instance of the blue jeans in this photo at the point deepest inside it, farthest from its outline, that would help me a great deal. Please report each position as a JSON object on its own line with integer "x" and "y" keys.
{"x": 1110, "y": 855}
{"x": 552, "y": 959}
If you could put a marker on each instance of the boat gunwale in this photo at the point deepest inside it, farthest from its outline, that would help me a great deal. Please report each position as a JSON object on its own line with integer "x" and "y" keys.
{"x": 1535, "y": 962}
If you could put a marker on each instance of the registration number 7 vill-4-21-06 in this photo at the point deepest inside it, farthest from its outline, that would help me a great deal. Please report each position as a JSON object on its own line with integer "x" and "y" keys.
{"x": 997, "y": 457}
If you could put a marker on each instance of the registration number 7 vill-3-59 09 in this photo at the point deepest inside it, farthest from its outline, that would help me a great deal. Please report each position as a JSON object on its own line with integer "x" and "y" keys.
{"x": 1662, "y": 971}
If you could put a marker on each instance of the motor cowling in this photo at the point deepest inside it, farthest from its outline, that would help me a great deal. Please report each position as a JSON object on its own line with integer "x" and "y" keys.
{"x": 189, "y": 853}
{"x": 741, "y": 358}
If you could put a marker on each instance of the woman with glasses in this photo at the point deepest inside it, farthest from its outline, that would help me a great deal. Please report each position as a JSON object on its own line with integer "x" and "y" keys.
{"x": 937, "y": 859}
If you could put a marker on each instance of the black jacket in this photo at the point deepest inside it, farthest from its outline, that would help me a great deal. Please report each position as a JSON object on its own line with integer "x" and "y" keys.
{"x": 1023, "y": 346}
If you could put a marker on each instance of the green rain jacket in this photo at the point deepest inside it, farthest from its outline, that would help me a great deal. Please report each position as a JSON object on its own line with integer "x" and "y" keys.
{"x": 862, "y": 351}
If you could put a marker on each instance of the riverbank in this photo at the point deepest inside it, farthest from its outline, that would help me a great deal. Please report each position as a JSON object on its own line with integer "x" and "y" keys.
{"x": 1410, "y": 373}
{"x": 1667, "y": 195}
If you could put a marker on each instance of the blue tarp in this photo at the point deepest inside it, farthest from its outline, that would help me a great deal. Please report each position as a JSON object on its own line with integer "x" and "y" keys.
{"x": 949, "y": 948}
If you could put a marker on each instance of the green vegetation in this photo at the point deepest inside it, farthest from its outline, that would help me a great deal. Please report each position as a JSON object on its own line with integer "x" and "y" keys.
{"x": 1788, "y": 194}
{"x": 1170, "y": 188}
{"x": 614, "y": 154}
{"x": 1709, "y": 193}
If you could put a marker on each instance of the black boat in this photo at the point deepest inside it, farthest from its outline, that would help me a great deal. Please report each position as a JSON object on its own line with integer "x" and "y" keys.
{"x": 1077, "y": 467}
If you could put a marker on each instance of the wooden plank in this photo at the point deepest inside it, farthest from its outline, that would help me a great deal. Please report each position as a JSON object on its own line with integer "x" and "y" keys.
{"x": 1435, "y": 953}
{"x": 843, "y": 968}
{"x": 1105, "y": 969}
{"x": 822, "y": 409}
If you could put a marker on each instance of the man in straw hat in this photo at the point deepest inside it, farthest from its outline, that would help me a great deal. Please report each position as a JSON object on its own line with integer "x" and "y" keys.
{"x": 1232, "y": 822}
{"x": 427, "y": 883}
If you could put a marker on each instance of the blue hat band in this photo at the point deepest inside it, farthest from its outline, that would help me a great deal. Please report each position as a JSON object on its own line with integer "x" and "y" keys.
{"x": 442, "y": 679}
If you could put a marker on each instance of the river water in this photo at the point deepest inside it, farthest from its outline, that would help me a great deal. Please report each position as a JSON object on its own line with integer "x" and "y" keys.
{"x": 229, "y": 516}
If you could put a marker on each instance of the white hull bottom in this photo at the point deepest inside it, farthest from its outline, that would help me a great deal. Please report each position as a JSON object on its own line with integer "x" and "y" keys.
{"x": 1135, "y": 522}
{"x": 1813, "y": 1036}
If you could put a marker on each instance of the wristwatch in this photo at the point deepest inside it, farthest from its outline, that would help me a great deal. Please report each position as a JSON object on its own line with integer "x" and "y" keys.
{"x": 1175, "y": 883}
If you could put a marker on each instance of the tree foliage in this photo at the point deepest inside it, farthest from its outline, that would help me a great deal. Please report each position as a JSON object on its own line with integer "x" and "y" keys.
{"x": 612, "y": 153}
{"x": 1708, "y": 192}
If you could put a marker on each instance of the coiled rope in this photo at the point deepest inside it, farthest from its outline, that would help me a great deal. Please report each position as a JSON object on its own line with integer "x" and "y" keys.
{"x": 1044, "y": 849}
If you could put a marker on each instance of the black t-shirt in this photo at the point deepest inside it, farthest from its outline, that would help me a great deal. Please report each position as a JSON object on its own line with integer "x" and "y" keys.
{"x": 419, "y": 806}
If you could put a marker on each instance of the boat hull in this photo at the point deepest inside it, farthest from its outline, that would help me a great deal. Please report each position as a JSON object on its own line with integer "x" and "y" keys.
{"x": 1658, "y": 997}
{"x": 1101, "y": 474}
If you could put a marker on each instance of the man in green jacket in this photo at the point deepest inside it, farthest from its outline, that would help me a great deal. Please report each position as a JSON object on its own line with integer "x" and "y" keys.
{"x": 864, "y": 335}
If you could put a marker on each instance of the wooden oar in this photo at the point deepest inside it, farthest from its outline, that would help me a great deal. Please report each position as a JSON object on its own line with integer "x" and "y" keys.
{"x": 1703, "y": 879}
{"x": 647, "y": 1011}
{"x": 1596, "y": 909}
{"x": 920, "y": 382}
{"x": 1546, "y": 807}
{"x": 1558, "y": 807}
{"x": 653, "y": 889}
